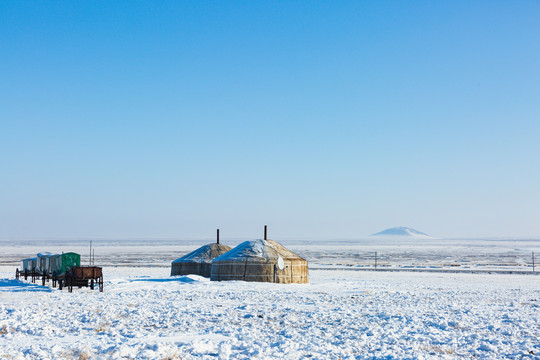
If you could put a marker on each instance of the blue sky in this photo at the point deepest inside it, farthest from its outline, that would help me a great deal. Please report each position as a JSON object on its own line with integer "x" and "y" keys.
{"x": 322, "y": 119}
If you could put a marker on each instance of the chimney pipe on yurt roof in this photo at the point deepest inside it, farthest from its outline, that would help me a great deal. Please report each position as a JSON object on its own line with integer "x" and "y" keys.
{"x": 265, "y": 232}
{"x": 199, "y": 261}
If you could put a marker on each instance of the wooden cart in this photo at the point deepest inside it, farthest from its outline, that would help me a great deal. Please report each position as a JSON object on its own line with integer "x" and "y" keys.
{"x": 80, "y": 276}
{"x": 32, "y": 274}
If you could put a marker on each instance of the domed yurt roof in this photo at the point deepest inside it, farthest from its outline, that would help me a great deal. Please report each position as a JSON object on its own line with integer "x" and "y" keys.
{"x": 260, "y": 260}
{"x": 205, "y": 253}
{"x": 198, "y": 262}
{"x": 259, "y": 250}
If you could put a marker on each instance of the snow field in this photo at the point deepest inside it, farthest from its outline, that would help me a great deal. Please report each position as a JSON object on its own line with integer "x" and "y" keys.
{"x": 488, "y": 254}
{"x": 145, "y": 314}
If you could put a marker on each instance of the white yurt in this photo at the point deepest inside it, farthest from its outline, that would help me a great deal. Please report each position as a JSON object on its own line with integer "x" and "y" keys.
{"x": 260, "y": 260}
{"x": 198, "y": 262}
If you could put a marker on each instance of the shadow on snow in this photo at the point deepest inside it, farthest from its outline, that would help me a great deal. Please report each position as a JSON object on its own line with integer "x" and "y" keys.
{"x": 13, "y": 285}
{"x": 184, "y": 279}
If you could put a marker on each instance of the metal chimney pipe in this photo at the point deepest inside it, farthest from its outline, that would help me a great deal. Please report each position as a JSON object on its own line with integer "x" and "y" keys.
{"x": 218, "y": 236}
{"x": 265, "y": 232}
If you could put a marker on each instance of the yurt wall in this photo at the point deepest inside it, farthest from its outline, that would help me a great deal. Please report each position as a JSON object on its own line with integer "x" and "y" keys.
{"x": 187, "y": 268}
{"x": 263, "y": 261}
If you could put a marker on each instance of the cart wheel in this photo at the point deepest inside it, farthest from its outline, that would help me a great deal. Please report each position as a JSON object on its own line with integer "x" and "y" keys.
{"x": 100, "y": 281}
{"x": 69, "y": 282}
{"x": 92, "y": 284}
{"x": 17, "y": 273}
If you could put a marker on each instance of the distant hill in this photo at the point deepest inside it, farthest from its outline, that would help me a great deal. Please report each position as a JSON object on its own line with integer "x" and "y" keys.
{"x": 402, "y": 231}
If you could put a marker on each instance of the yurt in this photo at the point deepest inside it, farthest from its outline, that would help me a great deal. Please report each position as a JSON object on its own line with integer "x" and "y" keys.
{"x": 260, "y": 260}
{"x": 198, "y": 262}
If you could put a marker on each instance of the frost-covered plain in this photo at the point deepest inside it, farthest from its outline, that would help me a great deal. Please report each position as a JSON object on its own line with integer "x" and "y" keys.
{"x": 399, "y": 252}
{"x": 146, "y": 314}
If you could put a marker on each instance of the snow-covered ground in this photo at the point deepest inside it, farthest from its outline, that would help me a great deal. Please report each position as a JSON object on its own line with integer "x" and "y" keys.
{"x": 392, "y": 252}
{"x": 146, "y": 314}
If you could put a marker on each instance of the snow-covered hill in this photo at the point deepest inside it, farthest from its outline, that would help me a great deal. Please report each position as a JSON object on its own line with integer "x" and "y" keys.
{"x": 402, "y": 231}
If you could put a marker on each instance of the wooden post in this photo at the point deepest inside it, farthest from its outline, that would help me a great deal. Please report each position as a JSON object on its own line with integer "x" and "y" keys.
{"x": 265, "y": 229}
{"x": 218, "y": 236}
